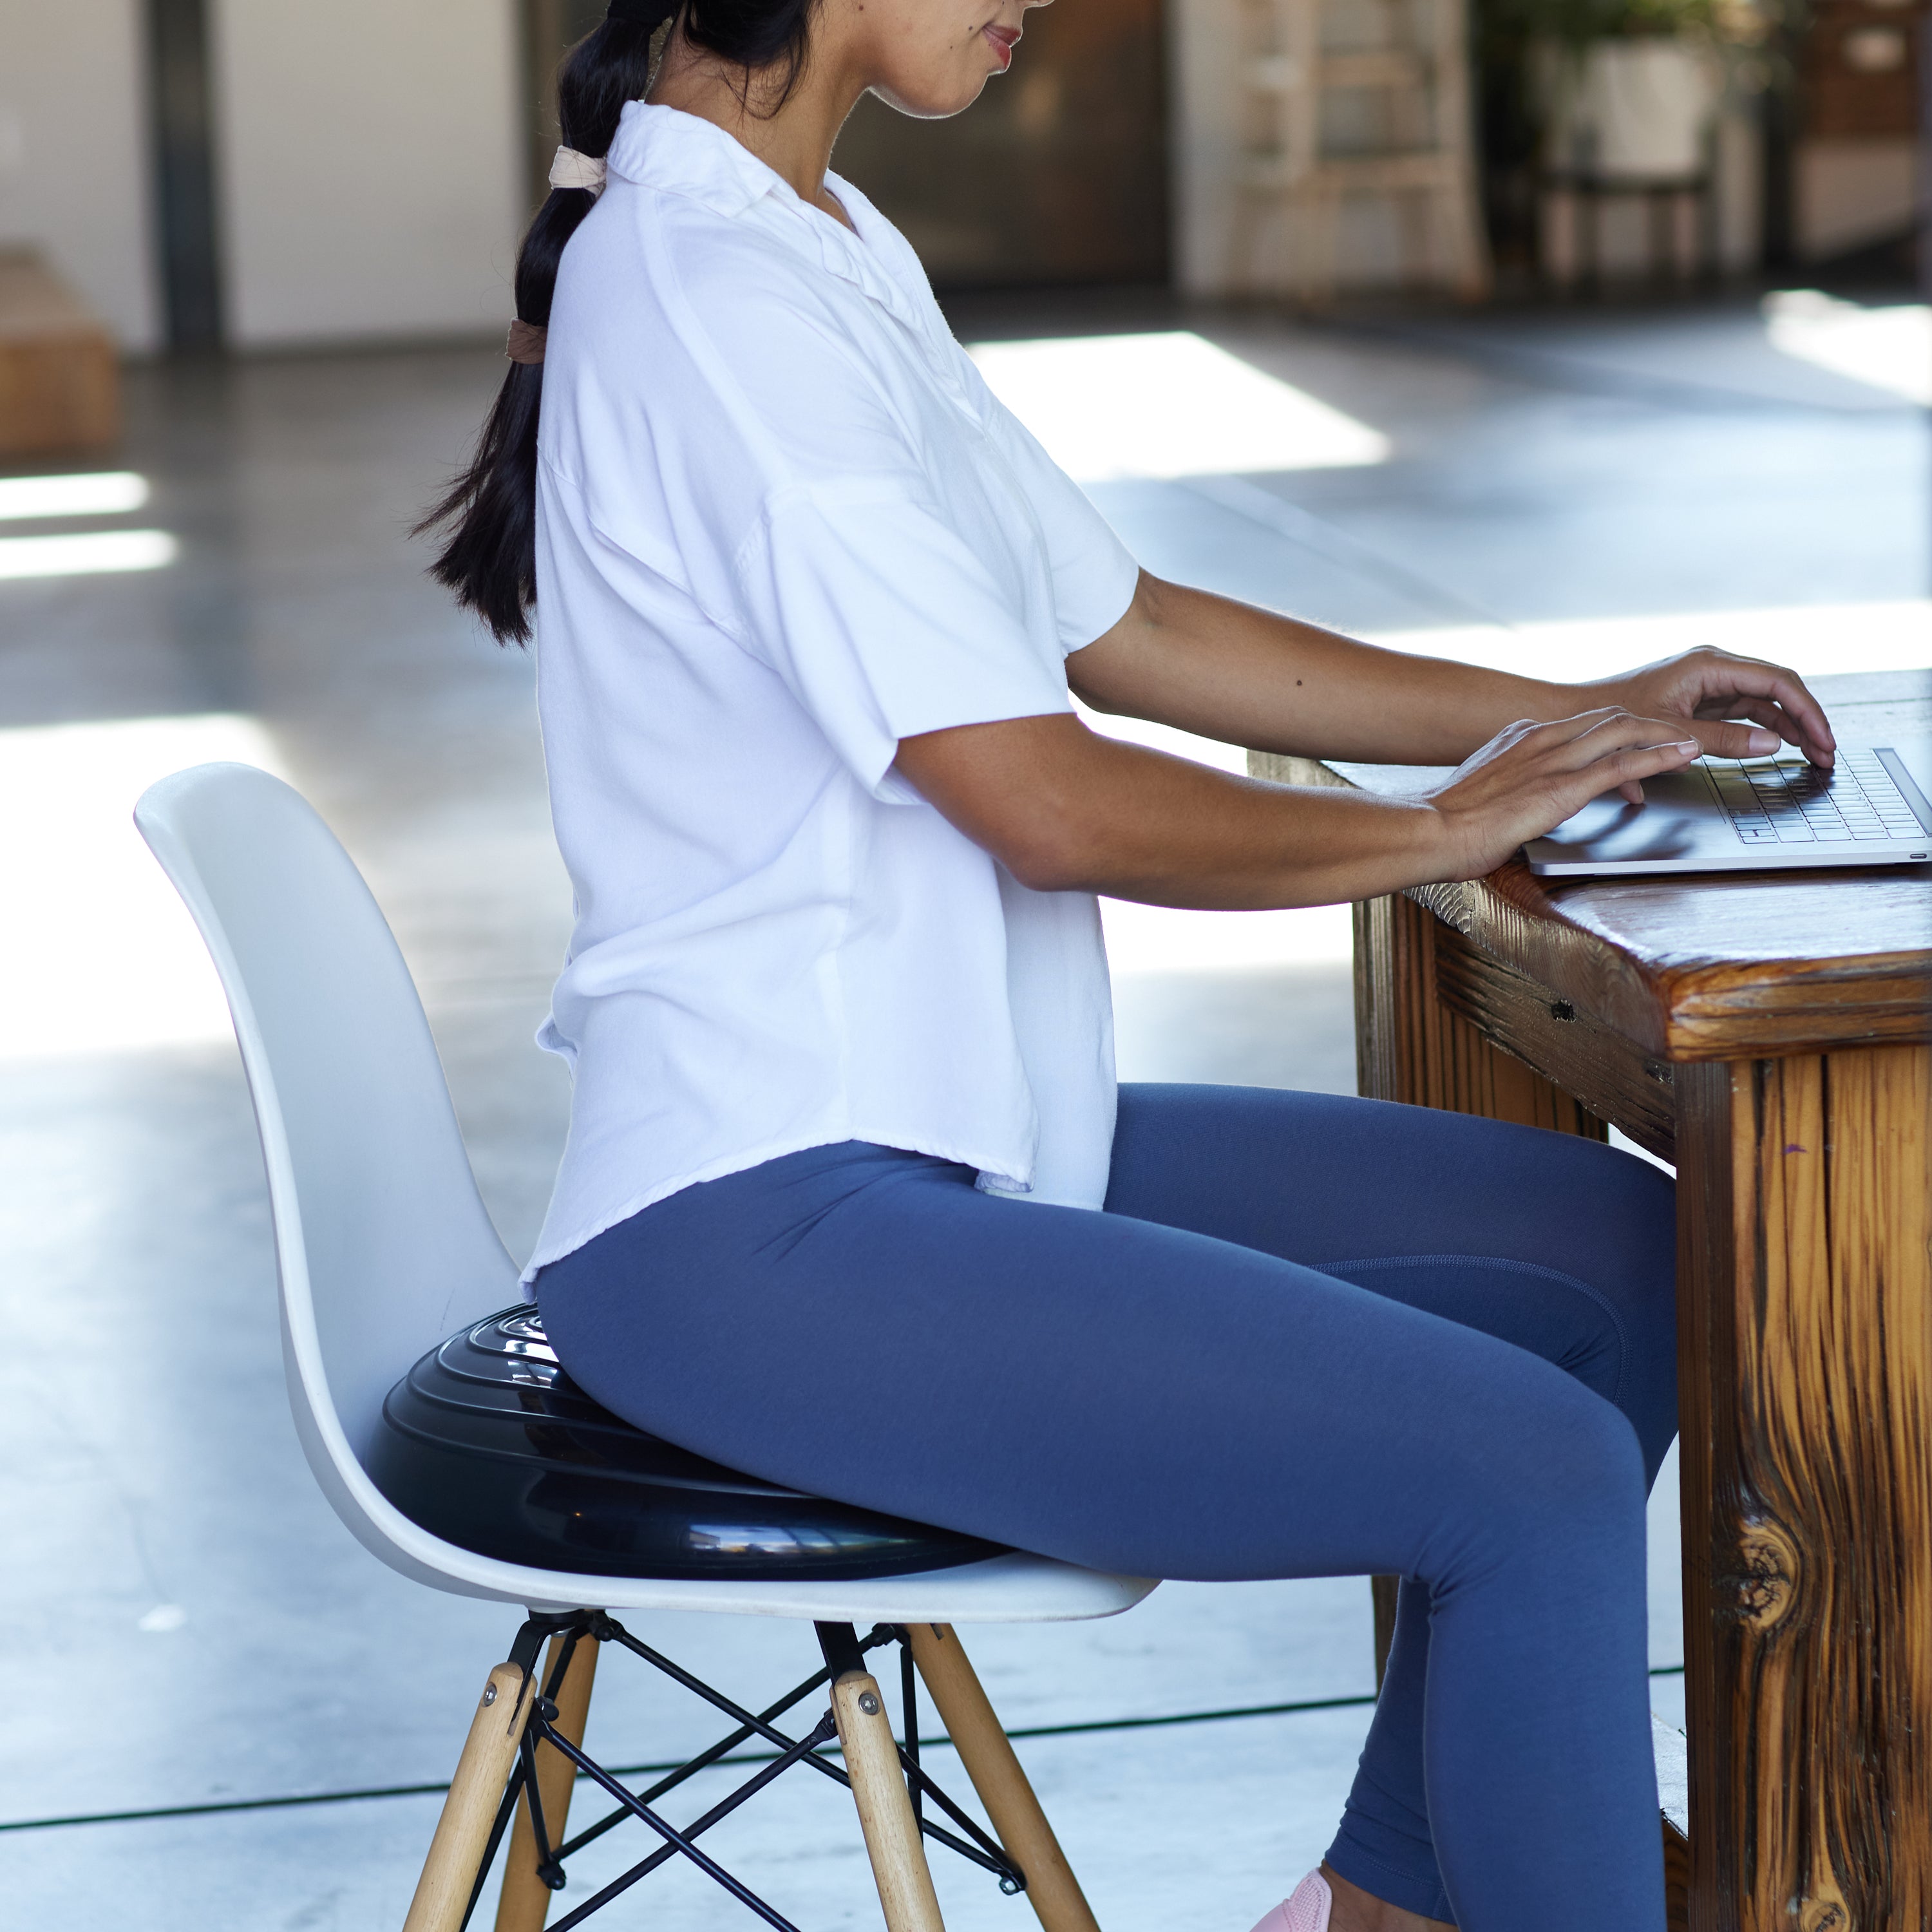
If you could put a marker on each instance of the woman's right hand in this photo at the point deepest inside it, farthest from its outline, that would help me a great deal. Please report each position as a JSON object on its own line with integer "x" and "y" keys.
{"x": 1529, "y": 777}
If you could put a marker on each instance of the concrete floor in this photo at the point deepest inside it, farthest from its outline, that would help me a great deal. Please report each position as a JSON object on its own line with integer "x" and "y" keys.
{"x": 198, "y": 1630}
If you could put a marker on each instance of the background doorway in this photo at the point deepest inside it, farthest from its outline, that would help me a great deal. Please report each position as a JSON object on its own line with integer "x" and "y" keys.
{"x": 1057, "y": 176}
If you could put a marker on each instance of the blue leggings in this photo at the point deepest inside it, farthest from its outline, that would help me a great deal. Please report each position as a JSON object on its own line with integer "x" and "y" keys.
{"x": 1310, "y": 1336}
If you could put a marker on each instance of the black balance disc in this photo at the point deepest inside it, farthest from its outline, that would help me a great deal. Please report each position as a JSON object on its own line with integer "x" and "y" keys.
{"x": 488, "y": 1444}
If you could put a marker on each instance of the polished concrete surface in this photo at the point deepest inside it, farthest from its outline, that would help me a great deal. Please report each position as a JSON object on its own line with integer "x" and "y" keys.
{"x": 195, "y": 1630}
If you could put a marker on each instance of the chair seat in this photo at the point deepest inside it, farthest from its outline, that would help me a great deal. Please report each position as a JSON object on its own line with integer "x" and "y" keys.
{"x": 487, "y": 1443}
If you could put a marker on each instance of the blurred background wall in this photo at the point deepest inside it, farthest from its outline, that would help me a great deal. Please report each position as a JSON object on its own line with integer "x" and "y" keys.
{"x": 262, "y": 173}
{"x": 1855, "y": 181}
{"x": 369, "y": 164}
{"x": 75, "y": 152}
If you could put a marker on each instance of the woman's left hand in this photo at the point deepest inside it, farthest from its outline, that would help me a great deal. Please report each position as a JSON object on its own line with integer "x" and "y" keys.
{"x": 1710, "y": 690}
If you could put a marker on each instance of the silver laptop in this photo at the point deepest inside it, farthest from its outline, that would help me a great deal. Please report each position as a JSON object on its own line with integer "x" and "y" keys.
{"x": 1761, "y": 815}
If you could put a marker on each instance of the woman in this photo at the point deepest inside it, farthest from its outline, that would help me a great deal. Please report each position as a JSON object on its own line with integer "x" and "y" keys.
{"x": 850, "y": 1199}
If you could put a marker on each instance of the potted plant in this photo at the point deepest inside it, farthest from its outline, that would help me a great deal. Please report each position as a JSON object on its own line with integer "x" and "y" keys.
{"x": 1628, "y": 89}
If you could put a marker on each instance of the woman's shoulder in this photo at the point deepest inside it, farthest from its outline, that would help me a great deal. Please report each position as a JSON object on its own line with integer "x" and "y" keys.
{"x": 728, "y": 365}
{"x": 697, "y": 279}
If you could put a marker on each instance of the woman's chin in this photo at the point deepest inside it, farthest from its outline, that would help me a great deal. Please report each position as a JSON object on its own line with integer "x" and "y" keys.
{"x": 933, "y": 104}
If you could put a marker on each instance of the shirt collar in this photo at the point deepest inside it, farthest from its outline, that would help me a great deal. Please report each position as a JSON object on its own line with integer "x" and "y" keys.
{"x": 677, "y": 153}
{"x": 864, "y": 258}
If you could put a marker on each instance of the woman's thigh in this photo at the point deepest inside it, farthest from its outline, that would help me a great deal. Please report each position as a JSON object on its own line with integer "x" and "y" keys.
{"x": 1558, "y": 1244}
{"x": 1134, "y": 1395}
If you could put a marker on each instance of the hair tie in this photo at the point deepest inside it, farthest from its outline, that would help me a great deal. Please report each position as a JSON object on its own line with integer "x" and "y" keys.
{"x": 527, "y": 341}
{"x": 571, "y": 170}
{"x": 651, "y": 13}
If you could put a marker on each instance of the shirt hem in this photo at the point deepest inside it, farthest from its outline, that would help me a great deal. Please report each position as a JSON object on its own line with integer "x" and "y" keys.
{"x": 547, "y": 1252}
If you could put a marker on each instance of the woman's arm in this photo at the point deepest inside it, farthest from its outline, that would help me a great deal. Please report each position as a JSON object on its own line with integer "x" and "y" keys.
{"x": 1249, "y": 677}
{"x": 1065, "y": 809}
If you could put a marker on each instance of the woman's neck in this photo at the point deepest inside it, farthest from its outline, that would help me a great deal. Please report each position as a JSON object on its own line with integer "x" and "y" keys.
{"x": 794, "y": 140}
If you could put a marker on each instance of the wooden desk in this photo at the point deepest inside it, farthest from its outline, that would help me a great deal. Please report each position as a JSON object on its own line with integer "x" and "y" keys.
{"x": 1768, "y": 1034}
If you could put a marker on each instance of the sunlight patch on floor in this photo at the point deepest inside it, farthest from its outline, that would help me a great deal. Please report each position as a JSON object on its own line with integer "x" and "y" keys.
{"x": 1167, "y": 939}
{"x": 87, "y": 553}
{"x": 1890, "y": 348}
{"x": 1171, "y": 404}
{"x": 1811, "y": 639}
{"x": 1160, "y": 939}
{"x": 102, "y": 493}
{"x": 101, "y": 955}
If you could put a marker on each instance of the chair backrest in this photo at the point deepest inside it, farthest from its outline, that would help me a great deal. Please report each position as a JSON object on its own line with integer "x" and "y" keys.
{"x": 383, "y": 1244}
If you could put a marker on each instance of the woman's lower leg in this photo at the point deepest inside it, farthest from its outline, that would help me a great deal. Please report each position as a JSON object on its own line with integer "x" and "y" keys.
{"x": 1356, "y": 1910}
{"x": 1515, "y": 1683}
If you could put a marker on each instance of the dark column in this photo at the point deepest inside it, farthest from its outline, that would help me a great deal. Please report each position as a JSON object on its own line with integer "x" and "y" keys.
{"x": 1922, "y": 227}
{"x": 184, "y": 135}
{"x": 1781, "y": 112}
{"x": 550, "y": 28}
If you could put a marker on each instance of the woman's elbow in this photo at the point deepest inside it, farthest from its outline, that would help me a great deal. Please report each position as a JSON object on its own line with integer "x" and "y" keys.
{"x": 1051, "y": 856}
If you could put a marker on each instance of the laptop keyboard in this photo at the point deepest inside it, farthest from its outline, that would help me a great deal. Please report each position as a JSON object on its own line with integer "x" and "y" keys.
{"x": 1794, "y": 804}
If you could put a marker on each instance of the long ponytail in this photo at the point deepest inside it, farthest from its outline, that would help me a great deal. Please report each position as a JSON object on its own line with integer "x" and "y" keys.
{"x": 489, "y": 559}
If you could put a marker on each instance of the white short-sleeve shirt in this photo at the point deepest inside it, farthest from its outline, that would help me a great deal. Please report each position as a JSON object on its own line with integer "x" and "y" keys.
{"x": 782, "y": 524}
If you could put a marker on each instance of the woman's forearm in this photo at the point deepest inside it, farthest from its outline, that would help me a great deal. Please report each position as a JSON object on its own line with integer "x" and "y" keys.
{"x": 1246, "y": 676}
{"x": 1065, "y": 810}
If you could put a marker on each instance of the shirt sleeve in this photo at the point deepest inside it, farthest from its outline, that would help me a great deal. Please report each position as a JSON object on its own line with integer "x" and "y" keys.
{"x": 883, "y": 624}
{"x": 1094, "y": 574}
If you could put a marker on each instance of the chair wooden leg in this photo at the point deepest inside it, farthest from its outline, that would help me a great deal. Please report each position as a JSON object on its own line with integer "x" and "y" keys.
{"x": 525, "y": 1901}
{"x": 988, "y": 1755}
{"x": 885, "y": 1807}
{"x": 463, "y": 1831}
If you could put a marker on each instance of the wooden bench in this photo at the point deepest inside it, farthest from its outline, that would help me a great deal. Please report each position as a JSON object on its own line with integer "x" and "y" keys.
{"x": 60, "y": 371}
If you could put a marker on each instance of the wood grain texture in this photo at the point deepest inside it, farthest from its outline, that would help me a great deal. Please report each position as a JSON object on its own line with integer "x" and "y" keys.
{"x": 988, "y": 1754}
{"x": 1717, "y": 966}
{"x": 1676, "y": 1880}
{"x": 524, "y": 1902}
{"x": 463, "y": 1830}
{"x": 1413, "y": 1045}
{"x": 1806, "y": 1337}
{"x": 892, "y": 1842}
{"x": 1612, "y": 1079}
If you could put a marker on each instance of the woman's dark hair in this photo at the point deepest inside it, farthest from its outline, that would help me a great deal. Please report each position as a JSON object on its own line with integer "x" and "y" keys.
{"x": 490, "y": 512}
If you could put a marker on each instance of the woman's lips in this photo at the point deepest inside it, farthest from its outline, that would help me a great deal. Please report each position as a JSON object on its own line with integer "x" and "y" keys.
{"x": 1003, "y": 40}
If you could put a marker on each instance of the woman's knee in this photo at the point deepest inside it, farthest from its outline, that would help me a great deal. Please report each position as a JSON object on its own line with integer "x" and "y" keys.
{"x": 1588, "y": 1454}
{"x": 1561, "y": 1487}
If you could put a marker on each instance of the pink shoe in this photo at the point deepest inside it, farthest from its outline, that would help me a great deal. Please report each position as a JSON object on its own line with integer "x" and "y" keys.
{"x": 1307, "y": 1909}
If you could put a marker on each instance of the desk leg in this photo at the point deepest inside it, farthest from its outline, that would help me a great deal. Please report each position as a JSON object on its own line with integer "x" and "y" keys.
{"x": 1806, "y": 1300}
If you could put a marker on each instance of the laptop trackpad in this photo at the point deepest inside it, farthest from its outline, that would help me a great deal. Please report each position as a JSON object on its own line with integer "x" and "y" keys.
{"x": 1676, "y": 820}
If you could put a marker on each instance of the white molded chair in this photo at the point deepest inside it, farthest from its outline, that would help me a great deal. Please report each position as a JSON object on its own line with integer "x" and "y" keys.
{"x": 385, "y": 1249}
